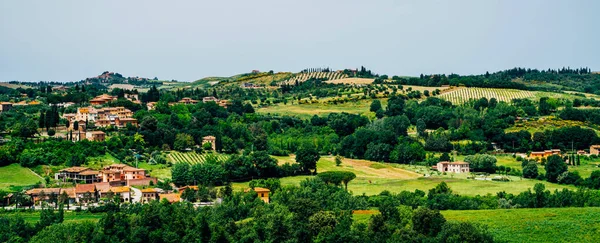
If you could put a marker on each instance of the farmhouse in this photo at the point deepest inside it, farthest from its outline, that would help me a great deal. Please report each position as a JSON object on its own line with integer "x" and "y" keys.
{"x": 102, "y": 99}
{"x": 121, "y": 172}
{"x": 595, "y": 149}
{"x": 123, "y": 192}
{"x": 150, "y": 106}
{"x": 5, "y": 106}
{"x": 263, "y": 193}
{"x": 455, "y": 167}
{"x": 149, "y": 194}
{"x": 209, "y": 99}
{"x": 187, "y": 101}
{"x": 545, "y": 153}
{"x": 43, "y": 194}
{"x": 85, "y": 193}
{"x": 78, "y": 174}
{"x": 210, "y": 139}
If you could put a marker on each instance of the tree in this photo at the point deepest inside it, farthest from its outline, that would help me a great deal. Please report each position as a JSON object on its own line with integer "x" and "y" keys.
{"x": 421, "y": 126}
{"x": 544, "y": 107}
{"x": 183, "y": 141}
{"x": 42, "y": 120}
{"x": 375, "y": 106}
{"x": 395, "y": 106}
{"x": 428, "y": 222}
{"x": 482, "y": 163}
{"x": 445, "y": 157}
{"x": 338, "y": 160}
{"x": 554, "y": 167}
{"x": 307, "y": 157}
{"x": 179, "y": 174}
{"x": 530, "y": 170}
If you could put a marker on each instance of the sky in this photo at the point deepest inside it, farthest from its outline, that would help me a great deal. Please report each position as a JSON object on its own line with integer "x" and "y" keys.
{"x": 64, "y": 40}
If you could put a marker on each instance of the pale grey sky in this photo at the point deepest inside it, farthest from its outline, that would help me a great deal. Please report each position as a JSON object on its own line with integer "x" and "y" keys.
{"x": 186, "y": 40}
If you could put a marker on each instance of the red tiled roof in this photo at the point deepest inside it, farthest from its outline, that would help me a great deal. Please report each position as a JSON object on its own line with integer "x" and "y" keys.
{"x": 83, "y": 188}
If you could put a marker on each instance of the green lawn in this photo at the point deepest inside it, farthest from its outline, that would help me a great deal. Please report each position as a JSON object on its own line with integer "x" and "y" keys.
{"x": 526, "y": 225}
{"x": 159, "y": 171}
{"x": 14, "y": 176}
{"x": 373, "y": 178}
{"x": 34, "y": 217}
{"x": 536, "y": 225}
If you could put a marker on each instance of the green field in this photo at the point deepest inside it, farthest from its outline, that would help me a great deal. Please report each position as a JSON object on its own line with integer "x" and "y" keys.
{"x": 373, "y": 178}
{"x": 320, "y": 109}
{"x": 526, "y": 225}
{"x": 159, "y": 171}
{"x": 585, "y": 169}
{"x": 193, "y": 157}
{"x": 536, "y": 225}
{"x": 14, "y": 176}
{"x": 34, "y": 217}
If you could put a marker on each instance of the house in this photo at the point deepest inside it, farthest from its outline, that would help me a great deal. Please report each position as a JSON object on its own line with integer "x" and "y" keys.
{"x": 70, "y": 191}
{"x": 125, "y": 175}
{"x": 102, "y": 99}
{"x": 149, "y": 194}
{"x": 581, "y": 152}
{"x": 43, "y": 194}
{"x": 595, "y": 149}
{"x": 170, "y": 197}
{"x": 123, "y": 122}
{"x": 210, "y": 139}
{"x": 102, "y": 188}
{"x": 187, "y": 101}
{"x": 209, "y": 99}
{"x": 151, "y": 105}
{"x": 544, "y": 154}
{"x": 78, "y": 174}
{"x": 182, "y": 189}
{"x": 455, "y": 167}
{"x": 5, "y": 106}
{"x": 224, "y": 103}
{"x": 97, "y": 136}
{"x": 263, "y": 193}
{"x": 123, "y": 192}
{"x": 85, "y": 193}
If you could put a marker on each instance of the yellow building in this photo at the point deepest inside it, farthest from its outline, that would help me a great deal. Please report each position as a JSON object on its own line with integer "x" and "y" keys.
{"x": 263, "y": 193}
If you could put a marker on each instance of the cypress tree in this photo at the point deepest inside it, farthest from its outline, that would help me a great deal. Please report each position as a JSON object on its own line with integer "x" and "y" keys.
{"x": 42, "y": 120}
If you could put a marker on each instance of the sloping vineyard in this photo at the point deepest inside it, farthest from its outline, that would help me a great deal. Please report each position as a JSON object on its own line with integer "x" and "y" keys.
{"x": 301, "y": 77}
{"x": 462, "y": 95}
{"x": 193, "y": 157}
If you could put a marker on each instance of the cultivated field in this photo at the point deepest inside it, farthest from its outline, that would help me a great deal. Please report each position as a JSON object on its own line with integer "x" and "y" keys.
{"x": 301, "y": 77}
{"x": 34, "y": 217}
{"x": 462, "y": 95}
{"x": 14, "y": 176}
{"x": 192, "y": 157}
{"x": 373, "y": 178}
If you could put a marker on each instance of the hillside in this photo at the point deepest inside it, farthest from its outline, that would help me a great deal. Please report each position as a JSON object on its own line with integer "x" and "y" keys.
{"x": 461, "y": 95}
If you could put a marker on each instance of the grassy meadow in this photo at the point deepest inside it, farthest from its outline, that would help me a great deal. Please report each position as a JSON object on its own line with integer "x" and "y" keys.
{"x": 14, "y": 176}
{"x": 373, "y": 178}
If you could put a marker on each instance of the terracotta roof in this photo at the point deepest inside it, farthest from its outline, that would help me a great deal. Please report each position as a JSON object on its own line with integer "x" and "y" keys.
{"x": 257, "y": 189}
{"x": 98, "y": 132}
{"x": 171, "y": 197}
{"x": 181, "y": 189}
{"x": 46, "y": 191}
{"x": 89, "y": 172}
{"x": 83, "y": 188}
{"x": 129, "y": 168}
{"x": 70, "y": 191}
{"x": 74, "y": 169}
{"x": 120, "y": 189}
{"x": 261, "y": 189}
{"x": 149, "y": 190}
{"x": 459, "y": 163}
{"x": 102, "y": 186}
{"x": 209, "y": 138}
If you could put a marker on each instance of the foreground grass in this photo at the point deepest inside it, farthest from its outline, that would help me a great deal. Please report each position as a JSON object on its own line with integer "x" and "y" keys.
{"x": 536, "y": 225}
{"x": 525, "y": 225}
{"x": 372, "y": 178}
{"x": 15, "y": 175}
